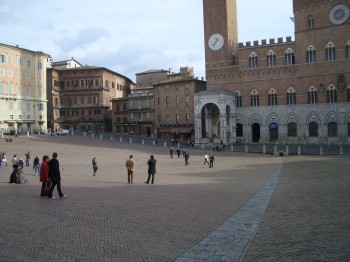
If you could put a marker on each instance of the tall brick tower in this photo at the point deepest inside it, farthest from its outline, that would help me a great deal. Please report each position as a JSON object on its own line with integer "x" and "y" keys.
{"x": 221, "y": 35}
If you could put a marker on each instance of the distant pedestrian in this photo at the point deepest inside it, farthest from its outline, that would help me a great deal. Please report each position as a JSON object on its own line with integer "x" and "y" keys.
{"x": 206, "y": 159}
{"x": 55, "y": 177}
{"x": 130, "y": 166}
{"x": 211, "y": 160}
{"x": 15, "y": 161}
{"x": 178, "y": 151}
{"x": 27, "y": 155}
{"x": 94, "y": 166}
{"x": 172, "y": 152}
{"x": 4, "y": 159}
{"x": 187, "y": 157}
{"x": 44, "y": 176}
{"x": 20, "y": 163}
{"x": 36, "y": 165}
{"x": 151, "y": 169}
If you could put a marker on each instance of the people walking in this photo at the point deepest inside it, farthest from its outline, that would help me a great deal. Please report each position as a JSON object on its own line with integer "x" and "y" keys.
{"x": 211, "y": 159}
{"x": 206, "y": 159}
{"x": 130, "y": 166}
{"x": 187, "y": 157}
{"x": 94, "y": 166}
{"x": 172, "y": 152}
{"x": 15, "y": 161}
{"x": 27, "y": 155}
{"x": 178, "y": 152}
{"x": 151, "y": 169}
{"x": 55, "y": 177}
{"x": 44, "y": 176}
{"x": 20, "y": 163}
{"x": 4, "y": 159}
{"x": 36, "y": 165}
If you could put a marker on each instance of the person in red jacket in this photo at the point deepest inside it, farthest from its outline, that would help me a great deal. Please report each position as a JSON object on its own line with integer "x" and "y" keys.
{"x": 44, "y": 176}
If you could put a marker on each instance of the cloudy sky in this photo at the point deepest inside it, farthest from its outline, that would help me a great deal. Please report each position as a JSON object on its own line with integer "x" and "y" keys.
{"x": 132, "y": 36}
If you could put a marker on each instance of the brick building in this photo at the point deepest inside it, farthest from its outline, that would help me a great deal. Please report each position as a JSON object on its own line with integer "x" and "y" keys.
{"x": 174, "y": 106}
{"x": 81, "y": 97}
{"x": 277, "y": 90}
{"x": 23, "y": 103}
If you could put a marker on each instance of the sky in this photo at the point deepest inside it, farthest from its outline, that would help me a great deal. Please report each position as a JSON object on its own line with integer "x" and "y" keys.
{"x": 133, "y": 36}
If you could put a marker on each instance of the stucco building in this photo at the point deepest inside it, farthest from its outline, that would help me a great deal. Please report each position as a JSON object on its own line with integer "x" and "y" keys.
{"x": 280, "y": 90}
{"x": 23, "y": 102}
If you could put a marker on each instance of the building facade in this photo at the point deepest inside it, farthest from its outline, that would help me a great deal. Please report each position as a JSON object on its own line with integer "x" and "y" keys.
{"x": 82, "y": 97}
{"x": 174, "y": 106}
{"x": 134, "y": 114}
{"x": 23, "y": 102}
{"x": 277, "y": 90}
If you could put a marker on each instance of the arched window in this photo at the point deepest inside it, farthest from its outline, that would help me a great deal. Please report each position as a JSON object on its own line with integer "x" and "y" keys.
{"x": 347, "y": 50}
{"x": 331, "y": 94}
{"x": 311, "y": 54}
{"x": 291, "y": 97}
{"x": 330, "y": 52}
{"x": 271, "y": 59}
{"x": 289, "y": 57}
{"x": 292, "y": 129}
{"x": 238, "y": 99}
{"x": 310, "y": 22}
{"x": 312, "y": 95}
{"x": 254, "y": 98}
{"x": 332, "y": 129}
{"x": 313, "y": 129}
{"x": 253, "y": 60}
{"x": 272, "y": 98}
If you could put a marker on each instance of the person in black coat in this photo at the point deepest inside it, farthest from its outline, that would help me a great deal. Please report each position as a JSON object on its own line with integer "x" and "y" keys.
{"x": 55, "y": 176}
{"x": 151, "y": 168}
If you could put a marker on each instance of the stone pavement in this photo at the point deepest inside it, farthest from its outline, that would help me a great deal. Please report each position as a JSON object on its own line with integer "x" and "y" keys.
{"x": 298, "y": 207}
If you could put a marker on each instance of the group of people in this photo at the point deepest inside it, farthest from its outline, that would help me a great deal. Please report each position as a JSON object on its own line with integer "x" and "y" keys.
{"x": 48, "y": 172}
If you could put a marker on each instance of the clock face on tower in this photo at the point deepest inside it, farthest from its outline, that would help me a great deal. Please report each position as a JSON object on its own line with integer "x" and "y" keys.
{"x": 215, "y": 42}
{"x": 339, "y": 14}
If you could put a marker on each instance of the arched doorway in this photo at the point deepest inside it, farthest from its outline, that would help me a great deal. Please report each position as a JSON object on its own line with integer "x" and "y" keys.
{"x": 210, "y": 117}
{"x": 255, "y": 132}
{"x": 273, "y": 130}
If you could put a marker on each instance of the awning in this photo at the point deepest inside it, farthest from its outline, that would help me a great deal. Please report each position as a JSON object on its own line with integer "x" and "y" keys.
{"x": 175, "y": 130}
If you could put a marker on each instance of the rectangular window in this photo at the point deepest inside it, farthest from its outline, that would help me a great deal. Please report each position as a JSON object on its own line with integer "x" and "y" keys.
{"x": 19, "y": 90}
{"x": 97, "y": 82}
{"x": 177, "y": 100}
{"x": 27, "y": 75}
{"x": 27, "y": 90}
{"x": 9, "y": 73}
{"x": 19, "y": 74}
{"x": 29, "y": 63}
{"x": 2, "y": 72}
{"x": 2, "y": 58}
{"x": 131, "y": 103}
{"x": 187, "y": 99}
{"x": 9, "y": 86}
{"x": 19, "y": 61}
{"x": 82, "y": 82}
{"x": 40, "y": 65}
{"x": 40, "y": 107}
{"x": 11, "y": 117}
{"x": 139, "y": 104}
{"x": 28, "y": 116}
{"x": 19, "y": 117}
{"x": 131, "y": 116}
{"x": 9, "y": 59}
{"x": 2, "y": 88}
{"x": 147, "y": 115}
{"x": 140, "y": 117}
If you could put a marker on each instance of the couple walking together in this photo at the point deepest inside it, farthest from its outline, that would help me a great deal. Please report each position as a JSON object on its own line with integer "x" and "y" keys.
{"x": 50, "y": 176}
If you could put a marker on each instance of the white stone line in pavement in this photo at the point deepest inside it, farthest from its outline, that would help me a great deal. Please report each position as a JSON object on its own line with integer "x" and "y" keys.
{"x": 229, "y": 241}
